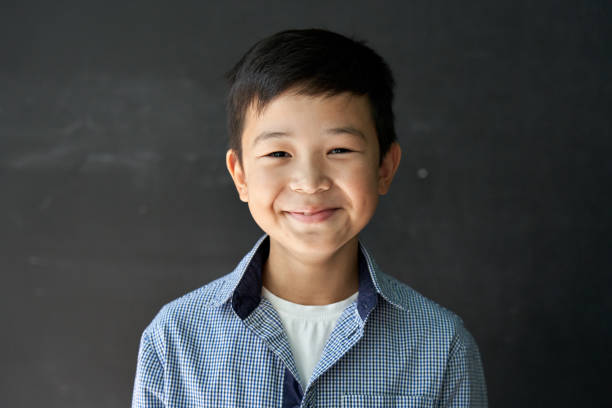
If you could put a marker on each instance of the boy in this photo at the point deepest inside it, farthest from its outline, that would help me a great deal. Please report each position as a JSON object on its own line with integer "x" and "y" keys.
{"x": 307, "y": 318}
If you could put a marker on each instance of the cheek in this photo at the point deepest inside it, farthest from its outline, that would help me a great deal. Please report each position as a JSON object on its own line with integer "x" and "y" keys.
{"x": 362, "y": 177}
{"x": 361, "y": 183}
{"x": 264, "y": 185}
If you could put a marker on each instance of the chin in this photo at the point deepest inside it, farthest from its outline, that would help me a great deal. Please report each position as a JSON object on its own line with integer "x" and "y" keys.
{"x": 318, "y": 243}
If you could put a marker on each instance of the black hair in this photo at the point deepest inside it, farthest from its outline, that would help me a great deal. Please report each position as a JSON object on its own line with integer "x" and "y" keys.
{"x": 316, "y": 62}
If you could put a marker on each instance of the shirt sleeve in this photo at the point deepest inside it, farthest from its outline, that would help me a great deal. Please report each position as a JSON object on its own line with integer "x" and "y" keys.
{"x": 464, "y": 383}
{"x": 149, "y": 381}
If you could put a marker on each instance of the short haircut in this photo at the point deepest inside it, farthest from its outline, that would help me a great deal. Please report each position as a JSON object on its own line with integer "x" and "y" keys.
{"x": 315, "y": 62}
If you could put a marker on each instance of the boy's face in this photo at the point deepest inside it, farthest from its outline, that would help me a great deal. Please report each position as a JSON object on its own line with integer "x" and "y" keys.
{"x": 309, "y": 154}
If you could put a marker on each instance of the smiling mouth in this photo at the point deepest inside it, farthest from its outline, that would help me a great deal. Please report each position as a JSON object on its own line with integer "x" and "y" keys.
{"x": 311, "y": 212}
{"x": 311, "y": 217}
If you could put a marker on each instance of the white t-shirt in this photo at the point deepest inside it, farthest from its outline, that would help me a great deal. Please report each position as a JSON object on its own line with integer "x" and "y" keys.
{"x": 308, "y": 328}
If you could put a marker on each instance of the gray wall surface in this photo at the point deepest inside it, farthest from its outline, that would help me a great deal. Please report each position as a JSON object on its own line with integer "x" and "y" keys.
{"x": 115, "y": 199}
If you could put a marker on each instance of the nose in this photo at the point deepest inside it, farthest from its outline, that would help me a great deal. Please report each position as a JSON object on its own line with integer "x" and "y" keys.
{"x": 309, "y": 176}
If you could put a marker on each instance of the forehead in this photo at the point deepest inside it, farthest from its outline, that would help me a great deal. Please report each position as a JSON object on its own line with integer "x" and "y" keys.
{"x": 292, "y": 112}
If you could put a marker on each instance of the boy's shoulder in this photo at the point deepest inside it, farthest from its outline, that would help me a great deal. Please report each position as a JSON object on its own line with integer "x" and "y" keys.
{"x": 415, "y": 304}
{"x": 420, "y": 314}
{"x": 193, "y": 306}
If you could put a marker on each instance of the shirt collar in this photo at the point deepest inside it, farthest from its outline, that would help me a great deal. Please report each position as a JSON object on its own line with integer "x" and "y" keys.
{"x": 243, "y": 285}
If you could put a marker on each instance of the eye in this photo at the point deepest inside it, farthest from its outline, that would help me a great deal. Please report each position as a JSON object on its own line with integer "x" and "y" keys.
{"x": 341, "y": 148}
{"x": 276, "y": 155}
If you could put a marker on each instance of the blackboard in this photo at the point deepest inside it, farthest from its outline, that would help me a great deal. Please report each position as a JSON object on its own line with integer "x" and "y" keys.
{"x": 115, "y": 199}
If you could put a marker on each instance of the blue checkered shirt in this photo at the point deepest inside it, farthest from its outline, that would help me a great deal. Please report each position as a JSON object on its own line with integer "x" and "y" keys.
{"x": 223, "y": 345}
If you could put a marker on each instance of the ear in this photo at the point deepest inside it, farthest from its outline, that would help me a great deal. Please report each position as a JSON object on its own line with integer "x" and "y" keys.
{"x": 237, "y": 173}
{"x": 388, "y": 167}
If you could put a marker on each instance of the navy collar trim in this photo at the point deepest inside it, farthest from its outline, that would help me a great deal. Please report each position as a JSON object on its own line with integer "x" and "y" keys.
{"x": 244, "y": 283}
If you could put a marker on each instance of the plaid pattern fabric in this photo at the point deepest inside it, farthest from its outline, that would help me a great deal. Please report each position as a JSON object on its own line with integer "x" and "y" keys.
{"x": 223, "y": 345}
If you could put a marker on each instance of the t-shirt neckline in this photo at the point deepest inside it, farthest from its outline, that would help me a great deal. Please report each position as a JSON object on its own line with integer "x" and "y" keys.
{"x": 307, "y": 311}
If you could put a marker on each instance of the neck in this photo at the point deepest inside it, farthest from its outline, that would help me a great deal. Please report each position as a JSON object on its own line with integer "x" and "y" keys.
{"x": 308, "y": 281}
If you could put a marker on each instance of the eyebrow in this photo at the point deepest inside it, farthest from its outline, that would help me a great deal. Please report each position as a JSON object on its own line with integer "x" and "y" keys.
{"x": 335, "y": 131}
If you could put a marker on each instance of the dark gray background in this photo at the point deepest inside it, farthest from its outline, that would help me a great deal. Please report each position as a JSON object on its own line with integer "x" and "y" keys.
{"x": 115, "y": 198}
